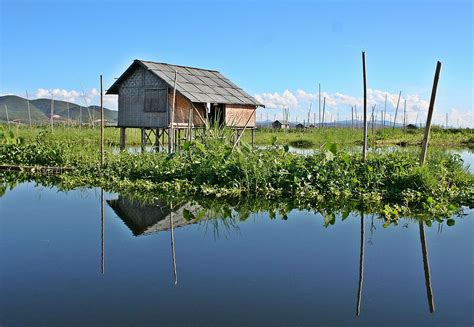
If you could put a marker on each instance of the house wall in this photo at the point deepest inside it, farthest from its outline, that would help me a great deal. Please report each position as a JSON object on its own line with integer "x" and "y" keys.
{"x": 183, "y": 105}
{"x": 237, "y": 115}
{"x": 131, "y": 103}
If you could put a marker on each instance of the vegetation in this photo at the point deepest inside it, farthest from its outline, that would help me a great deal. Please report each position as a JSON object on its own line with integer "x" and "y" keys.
{"x": 347, "y": 136}
{"x": 391, "y": 184}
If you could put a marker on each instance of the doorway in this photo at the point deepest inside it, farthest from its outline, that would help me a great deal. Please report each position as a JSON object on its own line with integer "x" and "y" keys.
{"x": 216, "y": 114}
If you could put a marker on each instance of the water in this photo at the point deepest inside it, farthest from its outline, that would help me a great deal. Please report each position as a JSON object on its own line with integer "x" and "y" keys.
{"x": 61, "y": 266}
{"x": 255, "y": 272}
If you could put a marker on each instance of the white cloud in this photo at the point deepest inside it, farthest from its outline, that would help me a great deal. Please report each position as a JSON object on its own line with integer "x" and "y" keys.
{"x": 276, "y": 100}
{"x": 339, "y": 105}
{"x": 89, "y": 97}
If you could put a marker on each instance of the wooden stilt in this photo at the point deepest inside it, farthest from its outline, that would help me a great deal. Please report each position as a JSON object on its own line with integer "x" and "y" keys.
{"x": 122, "y": 138}
{"x": 143, "y": 141}
{"x": 253, "y": 137}
{"x": 157, "y": 140}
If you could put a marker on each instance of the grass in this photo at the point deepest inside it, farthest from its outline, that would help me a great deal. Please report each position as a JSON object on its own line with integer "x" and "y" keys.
{"x": 391, "y": 184}
{"x": 86, "y": 137}
{"x": 347, "y": 136}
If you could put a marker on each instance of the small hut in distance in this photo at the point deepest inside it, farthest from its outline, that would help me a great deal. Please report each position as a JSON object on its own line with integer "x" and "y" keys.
{"x": 280, "y": 124}
{"x": 146, "y": 99}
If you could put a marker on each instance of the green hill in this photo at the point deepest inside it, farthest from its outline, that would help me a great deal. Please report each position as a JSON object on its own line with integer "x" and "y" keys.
{"x": 40, "y": 110}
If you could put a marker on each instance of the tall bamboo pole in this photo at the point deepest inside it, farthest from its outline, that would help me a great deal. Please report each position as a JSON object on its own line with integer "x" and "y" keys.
{"x": 372, "y": 117}
{"x": 384, "y": 112}
{"x": 405, "y": 115}
{"x": 396, "y": 110}
{"x": 361, "y": 264}
{"x": 324, "y": 112}
{"x": 426, "y": 267}
{"x": 101, "y": 121}
{"x": 68, "y": 118}
{"x": 352, "y": 111}
{"x": 52, "y": 111}
{"x": 171, "y": 119}
{"x": 8, "y": 119}
{"x": 430, "y": 114}
{"x": 319, "y": 105}
{"x": 28, "y": 103}
{"x": 364, "y": 149}
{"x": 102, "y": 211}
{"x": 173, "y": 254}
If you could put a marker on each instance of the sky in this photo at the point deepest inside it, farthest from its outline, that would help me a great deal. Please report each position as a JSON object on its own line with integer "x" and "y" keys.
{"x": 277, "y": 51}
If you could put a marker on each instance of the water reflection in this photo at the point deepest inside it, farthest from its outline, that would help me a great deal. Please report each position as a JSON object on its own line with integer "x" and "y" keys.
{"x": 426, "y": 266}
{"x": 310, "y": 269}
{"x": 361, "y": 264}
{"x": 102, "y": 266}
{"x": 150, "y": 218}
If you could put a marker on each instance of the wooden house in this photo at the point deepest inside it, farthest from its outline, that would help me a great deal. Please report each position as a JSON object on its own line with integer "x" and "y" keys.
{"x": 300, "y": 126}
{"x": 280, "y": 124}
{"x": 167, "y": 99}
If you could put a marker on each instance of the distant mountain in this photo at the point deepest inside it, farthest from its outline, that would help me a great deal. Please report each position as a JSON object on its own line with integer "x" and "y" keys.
{"x": 40, "y": 110}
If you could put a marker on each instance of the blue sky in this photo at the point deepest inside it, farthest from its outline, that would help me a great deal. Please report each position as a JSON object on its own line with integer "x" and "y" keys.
{"x": 276, "y": 50}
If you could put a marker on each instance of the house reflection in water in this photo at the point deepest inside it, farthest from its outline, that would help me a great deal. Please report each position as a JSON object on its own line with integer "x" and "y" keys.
{"x": 145, "y": 219}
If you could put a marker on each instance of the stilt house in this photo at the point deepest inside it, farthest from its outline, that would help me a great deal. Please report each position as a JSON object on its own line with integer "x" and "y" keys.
{"x": 146, "y": 93}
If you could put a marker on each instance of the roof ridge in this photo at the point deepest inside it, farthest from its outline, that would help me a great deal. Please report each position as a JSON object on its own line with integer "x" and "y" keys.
{"x": 168, "y": 64}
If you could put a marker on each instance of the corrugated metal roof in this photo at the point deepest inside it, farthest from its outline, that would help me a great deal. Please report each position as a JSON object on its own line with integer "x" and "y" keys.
{"x": 198, "y": 85}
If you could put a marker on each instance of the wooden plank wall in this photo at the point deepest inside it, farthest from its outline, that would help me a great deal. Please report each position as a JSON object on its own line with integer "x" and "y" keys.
{"x": 183, "y": 105}
{"x": 237, "y": 115}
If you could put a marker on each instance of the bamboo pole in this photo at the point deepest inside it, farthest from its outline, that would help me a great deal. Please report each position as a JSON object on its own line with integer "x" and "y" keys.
{"x": 426, "y": 267}
{"x": 68, "y": 118}
{"x": 372, "y": 117}
{"x": 8, "y": 119}
{"x": 80, "y": 116}
{"x": 396, "y": 110}
{"x": 361, "y": 264}
{"x": 29, "y": 111}
{"x": 352, "y": 110}
{"x": 319, "y": 106}
{"x": 101, "y": 121}
{"x": 245, "y": 127}
{"x": 324, "y": 112}
{"x": 384, "y": 112}
{"x": 364, "y": 149}
{"x": 355, "y": 113}
{"x": 430, "y": 114}
{"x": 171, "y": 119}
{"x": 102, "y": 211}
{"x": 52, "y": 111}
{"x": 405, "y": 115}
{"x": 173, "y": 254}
{"x": 189, "y": 123}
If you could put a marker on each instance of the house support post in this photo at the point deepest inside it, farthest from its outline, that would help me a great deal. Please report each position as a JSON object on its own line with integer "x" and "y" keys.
{"x": 253, "y": 137}
{"x": 122, "y": 138}
{"x": 157, "y": 140}
{"x": 143, "y": 140}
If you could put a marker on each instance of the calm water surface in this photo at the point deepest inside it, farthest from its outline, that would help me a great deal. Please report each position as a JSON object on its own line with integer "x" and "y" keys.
{"x": 61, "y": 266}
